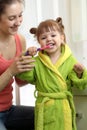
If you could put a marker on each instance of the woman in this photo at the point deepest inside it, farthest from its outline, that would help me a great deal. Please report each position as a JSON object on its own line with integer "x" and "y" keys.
{"x": 11, "y": 47}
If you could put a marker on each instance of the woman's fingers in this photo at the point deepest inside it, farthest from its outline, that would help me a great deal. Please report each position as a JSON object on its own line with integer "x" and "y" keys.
{"x": 25, "y": 63}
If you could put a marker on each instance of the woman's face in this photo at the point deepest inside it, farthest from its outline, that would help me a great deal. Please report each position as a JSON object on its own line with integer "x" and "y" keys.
{"x": 11, "y": 19}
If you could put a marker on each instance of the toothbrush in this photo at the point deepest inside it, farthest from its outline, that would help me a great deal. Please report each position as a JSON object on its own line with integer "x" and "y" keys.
{"x": 38, "y": 49}
{"x": 43, "y": 48}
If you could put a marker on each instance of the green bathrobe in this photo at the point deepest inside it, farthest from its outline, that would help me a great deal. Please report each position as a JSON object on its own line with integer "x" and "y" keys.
{"x": 54, "y": 108}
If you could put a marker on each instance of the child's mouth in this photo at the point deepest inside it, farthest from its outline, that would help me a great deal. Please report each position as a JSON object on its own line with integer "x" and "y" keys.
{"x": 51, "y": 45}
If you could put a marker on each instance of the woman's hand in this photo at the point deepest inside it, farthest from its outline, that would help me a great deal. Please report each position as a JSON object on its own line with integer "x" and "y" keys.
{"x": 21, "y": 64}
{"x": 24, "y": 62}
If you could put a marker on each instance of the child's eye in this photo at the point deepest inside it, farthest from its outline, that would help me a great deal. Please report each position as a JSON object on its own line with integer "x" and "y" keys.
{"x": 53, "y": 35}
{"x": 43, "y": 38}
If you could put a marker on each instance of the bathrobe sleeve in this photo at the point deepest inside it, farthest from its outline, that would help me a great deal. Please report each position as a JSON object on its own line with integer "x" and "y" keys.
{"x": 80, "y": 83}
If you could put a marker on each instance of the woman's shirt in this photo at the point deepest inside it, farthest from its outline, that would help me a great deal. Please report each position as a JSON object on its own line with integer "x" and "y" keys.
{"x": 6, "y": 94}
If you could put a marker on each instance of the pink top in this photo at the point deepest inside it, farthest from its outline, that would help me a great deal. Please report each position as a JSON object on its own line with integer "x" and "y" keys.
{"x": 6, "y": 94}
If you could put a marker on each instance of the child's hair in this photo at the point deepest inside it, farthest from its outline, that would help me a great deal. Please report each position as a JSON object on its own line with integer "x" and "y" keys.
{"x": 48, "y": 25}
{"x": 4, "y": 3}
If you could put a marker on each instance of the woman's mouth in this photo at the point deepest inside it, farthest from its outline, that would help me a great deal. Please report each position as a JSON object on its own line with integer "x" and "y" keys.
{"x": 14, "y": 28}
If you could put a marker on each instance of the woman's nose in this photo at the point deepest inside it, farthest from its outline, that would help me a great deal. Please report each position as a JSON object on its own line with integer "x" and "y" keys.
{"x": 18, "y": 22}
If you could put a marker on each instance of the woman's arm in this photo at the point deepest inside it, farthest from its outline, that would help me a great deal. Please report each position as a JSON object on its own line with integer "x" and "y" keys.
{"x": 20, "y": 64}
{"x": 23, "y": 42}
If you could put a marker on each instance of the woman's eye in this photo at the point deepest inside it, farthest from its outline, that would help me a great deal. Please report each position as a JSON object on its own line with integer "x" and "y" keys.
{"x": 11, "y": 18}
{"x": 14, "y": 17}
{"x": 20, "y": 15}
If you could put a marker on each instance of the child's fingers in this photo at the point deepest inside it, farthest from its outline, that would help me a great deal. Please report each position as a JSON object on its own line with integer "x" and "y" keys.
{"x": 32, "y": 51}
{"x": 78, "y": 68}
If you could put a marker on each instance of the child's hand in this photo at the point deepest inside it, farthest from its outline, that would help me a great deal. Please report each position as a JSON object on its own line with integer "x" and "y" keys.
{"x": 79, "y": 68}
{"x": 31, "y": 51}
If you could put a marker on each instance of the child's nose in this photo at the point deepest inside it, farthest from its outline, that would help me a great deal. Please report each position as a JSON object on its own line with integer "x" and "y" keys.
{"x": 49, "y": 38}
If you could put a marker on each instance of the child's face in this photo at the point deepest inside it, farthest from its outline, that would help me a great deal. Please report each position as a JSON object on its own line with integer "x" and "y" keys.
{"x": 52, "y": 38}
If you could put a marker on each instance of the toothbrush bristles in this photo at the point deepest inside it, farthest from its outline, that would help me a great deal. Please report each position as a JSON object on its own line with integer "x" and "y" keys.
{"x": 43, "y": 48}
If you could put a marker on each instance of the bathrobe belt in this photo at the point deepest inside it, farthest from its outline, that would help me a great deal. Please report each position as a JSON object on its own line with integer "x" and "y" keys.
{"x": 47, "y": 97}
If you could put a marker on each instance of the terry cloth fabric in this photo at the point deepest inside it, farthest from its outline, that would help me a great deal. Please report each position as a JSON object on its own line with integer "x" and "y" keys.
{"x": 54, "y": 107}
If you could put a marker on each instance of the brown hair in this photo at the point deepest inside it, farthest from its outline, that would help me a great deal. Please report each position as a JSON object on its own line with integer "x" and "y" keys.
{"x": 48, "y": 25}
{"x": 4, "y": 3}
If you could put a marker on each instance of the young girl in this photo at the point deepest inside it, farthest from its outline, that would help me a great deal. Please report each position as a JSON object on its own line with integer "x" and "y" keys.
{"x": 56, "y": 71}
{"x": 11, "y": 46}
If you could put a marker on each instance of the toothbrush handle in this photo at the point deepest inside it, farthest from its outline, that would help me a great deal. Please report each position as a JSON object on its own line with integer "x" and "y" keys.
{"x": 38, "y": 49}
{"x": 26, "y": 53}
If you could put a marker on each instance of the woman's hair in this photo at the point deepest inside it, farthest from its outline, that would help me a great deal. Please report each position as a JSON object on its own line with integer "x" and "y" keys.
{"x": 4, "y": 3}
{"x": 48, "y": 25}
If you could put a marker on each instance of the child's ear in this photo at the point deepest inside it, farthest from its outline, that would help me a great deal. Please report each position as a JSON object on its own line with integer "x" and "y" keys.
{"x": 62, "y": 39}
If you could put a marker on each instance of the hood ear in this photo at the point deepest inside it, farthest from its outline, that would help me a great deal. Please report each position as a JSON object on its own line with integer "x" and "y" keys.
{"x": 33, "y": 30}
{"x": 59, "y": 20}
